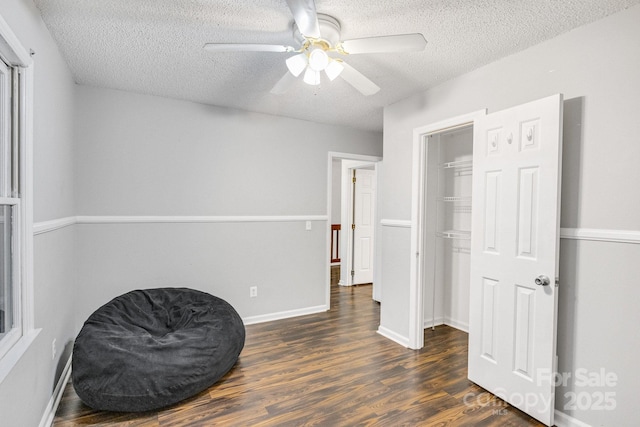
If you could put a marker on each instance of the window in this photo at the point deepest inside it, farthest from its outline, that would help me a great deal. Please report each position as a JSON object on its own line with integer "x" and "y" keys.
{"x": 10, "y": 319}
{"x": 16, "y": 217}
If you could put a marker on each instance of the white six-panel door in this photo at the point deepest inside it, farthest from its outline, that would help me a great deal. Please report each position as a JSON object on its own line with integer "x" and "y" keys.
{"x": 514, "y": 249}
{"x": 364, "y": 208}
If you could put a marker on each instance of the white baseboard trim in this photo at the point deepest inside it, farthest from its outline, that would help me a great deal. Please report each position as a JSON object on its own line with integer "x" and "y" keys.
{"x": 563, "y": 420}
{"x": 435, "y": 322}
{"x": 52, "y": 406}
{"x": 389, "y": 334}
{"x": 464, "y": 327}
{"x": 251, "y": 320}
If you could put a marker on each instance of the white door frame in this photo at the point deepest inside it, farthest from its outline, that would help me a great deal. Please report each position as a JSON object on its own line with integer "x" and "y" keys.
{"x": 361, "y": 159}
{"x": 418, "y": 221}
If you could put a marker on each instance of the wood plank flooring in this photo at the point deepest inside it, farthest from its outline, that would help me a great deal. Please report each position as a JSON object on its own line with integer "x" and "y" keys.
{"x": 329, "y": 369}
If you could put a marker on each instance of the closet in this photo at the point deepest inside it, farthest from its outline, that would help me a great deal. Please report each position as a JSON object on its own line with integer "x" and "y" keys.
{"x": 447, "y": 236}
{"x": 504, "y": 242}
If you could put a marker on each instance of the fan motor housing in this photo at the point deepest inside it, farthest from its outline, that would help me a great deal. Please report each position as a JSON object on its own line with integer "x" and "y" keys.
{"x": 329, "y": 30}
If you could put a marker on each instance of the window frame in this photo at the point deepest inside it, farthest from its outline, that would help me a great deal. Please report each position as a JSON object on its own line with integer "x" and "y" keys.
{"x": 17, "y": 331}
{"x": 19, "y": 59}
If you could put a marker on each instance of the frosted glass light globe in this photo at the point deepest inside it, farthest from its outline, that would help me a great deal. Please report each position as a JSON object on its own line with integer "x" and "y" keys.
{"x": 311, "y": 77}
{"x": 318, "y": 60}
{"x": 334, "y": 69}
{"x": 297, "y": 64}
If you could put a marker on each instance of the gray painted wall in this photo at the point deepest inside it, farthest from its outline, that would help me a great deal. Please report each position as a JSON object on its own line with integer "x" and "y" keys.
{"x": 596, "y": 67}
{"x": 285, "y": 261}
{"x": 144, "y": 155}
{"x": 101, "y": 152}
{"x": 152, "y": 156}
{"x": 26, "y": 391}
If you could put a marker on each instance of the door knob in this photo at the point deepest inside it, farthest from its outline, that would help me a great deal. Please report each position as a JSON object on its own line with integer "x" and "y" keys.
{"x": 542, "y": 280}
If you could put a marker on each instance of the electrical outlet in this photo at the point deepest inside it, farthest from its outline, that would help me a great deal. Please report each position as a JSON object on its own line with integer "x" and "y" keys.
{"x": 253, "y": 291}
{"x": 53, "y": 349}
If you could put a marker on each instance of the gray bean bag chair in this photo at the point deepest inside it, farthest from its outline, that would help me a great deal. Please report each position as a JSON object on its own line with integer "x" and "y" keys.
{"x": 151, "y": 348}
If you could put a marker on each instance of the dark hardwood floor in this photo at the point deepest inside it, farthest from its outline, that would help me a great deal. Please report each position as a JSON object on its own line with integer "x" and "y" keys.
{"x": 329, "y": 369}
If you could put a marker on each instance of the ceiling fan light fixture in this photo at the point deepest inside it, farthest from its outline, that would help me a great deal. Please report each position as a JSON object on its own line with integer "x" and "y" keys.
{"x": 334, "y": 69}
{"x": 318, "y": 59}
{"x": 311, "y": 77}
{"x": 297, "y": 63}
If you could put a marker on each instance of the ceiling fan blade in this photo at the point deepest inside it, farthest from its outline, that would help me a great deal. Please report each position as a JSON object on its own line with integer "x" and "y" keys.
{"x": 304, "y": 13}
{"x": 247, "y": 47}
{"x": 383, "y": 44}
{"x": 356, "y": 79}
{"x": 284, "y": 84}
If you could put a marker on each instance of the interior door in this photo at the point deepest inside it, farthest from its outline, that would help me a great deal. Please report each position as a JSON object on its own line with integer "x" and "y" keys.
{"x": 514, "y": 254}
{"x": 363, "y": 214}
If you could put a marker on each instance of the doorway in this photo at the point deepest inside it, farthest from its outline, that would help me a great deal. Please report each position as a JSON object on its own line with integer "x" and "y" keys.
{"x": 447, "y": 235}
{"x": 424, "y": 276}
{"x": 515, "y": 188}
{"x": 341, "y": 167}
{"x": 358, "y": 204}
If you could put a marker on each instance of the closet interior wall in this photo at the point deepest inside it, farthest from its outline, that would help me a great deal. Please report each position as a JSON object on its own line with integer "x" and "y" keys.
{"x": 448, "y": 228}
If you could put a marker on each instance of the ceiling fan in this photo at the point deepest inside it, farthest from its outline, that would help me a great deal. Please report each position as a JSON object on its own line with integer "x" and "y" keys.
{"x": 322, "y": 50}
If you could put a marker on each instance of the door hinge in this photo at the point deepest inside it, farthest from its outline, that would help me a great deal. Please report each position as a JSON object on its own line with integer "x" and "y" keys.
{"x": 353, "y": 226}
{"x": 557, "y": 281}
{"x": 353, "y": 180}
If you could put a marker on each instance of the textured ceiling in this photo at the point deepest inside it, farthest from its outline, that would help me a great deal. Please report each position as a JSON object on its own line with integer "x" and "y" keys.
{"x": 155, "y": 47}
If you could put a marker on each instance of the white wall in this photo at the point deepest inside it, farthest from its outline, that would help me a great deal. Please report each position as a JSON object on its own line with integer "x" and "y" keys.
{"x": 451, "y": 265}
{"x": 143, "y": 155}
{"x": 26, "y": 391}
{"x": 596, "y": 67}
